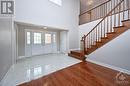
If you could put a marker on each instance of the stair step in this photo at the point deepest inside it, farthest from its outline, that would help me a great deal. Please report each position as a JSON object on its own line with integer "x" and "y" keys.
{"x": 119, "y": 30}
{"x": 98, "y": 43}
{"x": 81, "y": 57}
{"x": 75, "y": 56}
{"x": 93, "y": 45}
{"x": 111, "y": 32}
{"x": 88, "y": 49}
{"x": 126, "y": 23}
{"x": 126, "y": 20}
{"x": 119, "y": 26}
{"x": 76, "y": 52}
{"x": 104, "y": 37}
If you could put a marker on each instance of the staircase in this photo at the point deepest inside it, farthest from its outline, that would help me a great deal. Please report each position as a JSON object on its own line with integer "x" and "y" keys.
{"x": 116, "y": 22}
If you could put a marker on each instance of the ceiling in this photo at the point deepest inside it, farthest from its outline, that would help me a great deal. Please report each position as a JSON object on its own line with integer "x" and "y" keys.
{"x": 29, "y": 25}
{"x": 88, "y": 4}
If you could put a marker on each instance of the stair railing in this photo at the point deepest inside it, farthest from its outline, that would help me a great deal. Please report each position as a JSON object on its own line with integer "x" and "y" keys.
{"x": 118, "y": 13}
{"x": 94, "y": 13}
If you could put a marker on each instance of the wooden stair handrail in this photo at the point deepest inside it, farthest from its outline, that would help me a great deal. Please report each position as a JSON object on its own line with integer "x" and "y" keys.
{"x": 105, "y": 17}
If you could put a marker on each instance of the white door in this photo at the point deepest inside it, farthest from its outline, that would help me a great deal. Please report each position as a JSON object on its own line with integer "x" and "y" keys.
{"x": 38, "y": 42}
{"x": 47, "y": 43}
{"x": 37, "y": 46}
{"x": 54, "y": 43}
{"x": 28, "y": 43}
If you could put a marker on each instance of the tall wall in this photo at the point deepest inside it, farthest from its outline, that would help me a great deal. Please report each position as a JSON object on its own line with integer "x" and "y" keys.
{"x": 6, "y": 59}
{"x": 46, "y": 13}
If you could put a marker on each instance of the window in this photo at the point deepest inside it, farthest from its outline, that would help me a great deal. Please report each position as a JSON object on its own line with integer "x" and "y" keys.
{"x": 37, "y": 71}
{"x": 54, "y": 38}
{"x": 58, "y": 2}
{"x": 28, "y": 38}
{"x": 47, "y": 38}
{"x": 37, "y": 38}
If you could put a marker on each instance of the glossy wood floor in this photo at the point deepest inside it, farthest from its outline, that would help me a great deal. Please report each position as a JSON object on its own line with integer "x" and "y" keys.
{"x": 82, "y": 74}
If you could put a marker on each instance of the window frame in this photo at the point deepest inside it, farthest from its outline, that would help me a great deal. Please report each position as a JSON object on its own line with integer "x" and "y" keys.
{"x": 34, "y": 39}
{"x": 45, "y": 39}
{"x": 59, "y": 3}
{"x": 27, "y": 38}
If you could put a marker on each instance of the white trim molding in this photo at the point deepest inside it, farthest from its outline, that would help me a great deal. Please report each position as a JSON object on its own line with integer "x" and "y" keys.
{"x": 23, "y": 57}
{"x": 110, "y": 66}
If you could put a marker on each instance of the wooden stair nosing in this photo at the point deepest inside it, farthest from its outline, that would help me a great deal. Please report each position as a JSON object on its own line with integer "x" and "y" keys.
{"x": 125, "y": 20}
{"x": 118, "y": 31}
{"x": 94, "y": 45}
{"x": 98, "y": 41}
{"x": 104, "y": 37}
{"x": 127, "y": 24}
{"x": 111, "y": 33}
{"x": 77, "y": 52}
{"x": 119, "y": 26}
{"x": 75, "y": 56}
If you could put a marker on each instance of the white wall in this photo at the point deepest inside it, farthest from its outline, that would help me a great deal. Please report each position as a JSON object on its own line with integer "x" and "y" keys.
{"x": 85, "y": 28}
{"x": 46, "y": 13}
{"x": 115, "y": 53}
{"x": 6, "y": 59}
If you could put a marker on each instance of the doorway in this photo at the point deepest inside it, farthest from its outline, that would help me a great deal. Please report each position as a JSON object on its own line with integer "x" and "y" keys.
{"x": 36, "y": 40}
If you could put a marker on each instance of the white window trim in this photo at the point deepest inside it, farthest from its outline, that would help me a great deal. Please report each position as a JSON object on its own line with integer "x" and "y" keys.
{"x": 41, "y": 39}
{"x": 57, "y": 2}
{"x": 27, "y": 38}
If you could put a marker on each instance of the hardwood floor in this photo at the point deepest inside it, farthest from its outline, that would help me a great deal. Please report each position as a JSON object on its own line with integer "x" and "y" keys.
{"x": 81, "y": 74}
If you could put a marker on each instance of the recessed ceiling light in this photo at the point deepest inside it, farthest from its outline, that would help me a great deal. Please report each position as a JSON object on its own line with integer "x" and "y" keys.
{"x": 44, "y": 27}
{"x": 90, "y": 2}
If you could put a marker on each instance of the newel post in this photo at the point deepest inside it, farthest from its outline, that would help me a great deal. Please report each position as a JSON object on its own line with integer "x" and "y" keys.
{"x": 84, "y": 43}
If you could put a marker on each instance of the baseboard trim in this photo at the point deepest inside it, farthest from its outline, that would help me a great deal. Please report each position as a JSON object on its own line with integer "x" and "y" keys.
{"x": 110, "y": 66}
{"x": 22, "y": 57}
{"x": 5, "y": 77}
